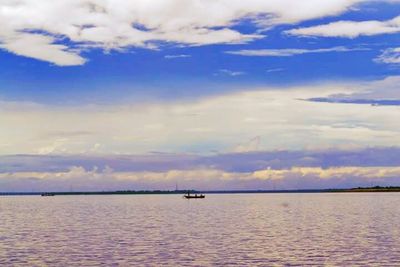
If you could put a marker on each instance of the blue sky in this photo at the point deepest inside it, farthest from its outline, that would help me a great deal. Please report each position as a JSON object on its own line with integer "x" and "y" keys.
{"x": 138, "y": 72}
{"x": 198, "y": 78}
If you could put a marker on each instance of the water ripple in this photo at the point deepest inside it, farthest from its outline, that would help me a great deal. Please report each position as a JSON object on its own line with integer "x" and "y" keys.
{"x": 221, "y": 230}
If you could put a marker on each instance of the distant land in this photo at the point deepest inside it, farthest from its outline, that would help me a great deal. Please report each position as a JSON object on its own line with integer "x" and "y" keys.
{"x": 369, "y": 189}
{"x": 166, "y": 192}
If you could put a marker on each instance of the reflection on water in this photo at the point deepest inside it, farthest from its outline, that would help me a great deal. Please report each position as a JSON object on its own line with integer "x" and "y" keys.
{"x": 249, "y": 229}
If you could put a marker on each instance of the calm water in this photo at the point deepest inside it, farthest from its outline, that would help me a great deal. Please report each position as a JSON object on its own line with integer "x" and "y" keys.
{"x": 244, "y": 230}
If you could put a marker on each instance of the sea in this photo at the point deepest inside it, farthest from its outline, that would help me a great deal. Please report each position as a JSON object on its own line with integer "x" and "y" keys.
{"x": 275, "y": 229}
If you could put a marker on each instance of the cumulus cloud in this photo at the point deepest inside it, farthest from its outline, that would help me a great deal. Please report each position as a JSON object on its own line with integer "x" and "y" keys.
{"x": 389, "y": 56}
{"x": 56, "y": 31}
{"x": 329, "y": 173}
{"x": 289, "y": 52}
{"x": 350, "y": 29}
{"x": 55, "y": 147}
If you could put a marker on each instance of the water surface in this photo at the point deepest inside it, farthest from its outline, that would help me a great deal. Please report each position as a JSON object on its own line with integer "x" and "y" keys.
{"x": 237, "y": 229}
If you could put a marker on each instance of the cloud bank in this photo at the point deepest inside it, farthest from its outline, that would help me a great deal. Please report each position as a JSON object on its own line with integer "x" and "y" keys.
{"x": 228, "y": 162}
{"x": 201, "y": 179}
{"x": 307, "y": 169}
{"x": 278, "y": 116}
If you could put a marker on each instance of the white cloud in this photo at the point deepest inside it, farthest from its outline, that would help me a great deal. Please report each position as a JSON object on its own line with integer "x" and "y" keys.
{"x": 389, "y": 56}
{"x": 275, "y": 70}
{"x": 329, "y": 173}
{"x": 289, "y": 52}
{"x": 36, "y": 28}
{"x": 41, "y": 47}
{"x": 55, "y": 147}
{"x": 176, "y": 56}
{"x": 229, "y": 72}
{"x": 350, "y": 29}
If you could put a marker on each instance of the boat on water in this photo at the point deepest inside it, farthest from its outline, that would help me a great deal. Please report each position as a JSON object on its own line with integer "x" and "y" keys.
{"x": 195, "y": 195}
{"x": 47, "y": 195}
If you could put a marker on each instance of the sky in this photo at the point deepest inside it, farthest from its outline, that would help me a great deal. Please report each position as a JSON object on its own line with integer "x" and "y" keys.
{"x": 223, "y": 94}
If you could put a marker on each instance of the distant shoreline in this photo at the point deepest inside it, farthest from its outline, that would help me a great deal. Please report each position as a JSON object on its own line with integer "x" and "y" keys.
{"x": 167, "y": 192}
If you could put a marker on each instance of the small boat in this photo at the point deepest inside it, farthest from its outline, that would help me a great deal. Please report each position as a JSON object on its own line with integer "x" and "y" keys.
{"x": 189, "y": 196}
{"x": 47, "y": 195}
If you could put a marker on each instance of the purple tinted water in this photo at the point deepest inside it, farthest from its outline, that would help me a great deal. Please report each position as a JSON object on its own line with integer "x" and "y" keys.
{"x": 166, "y": 230}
